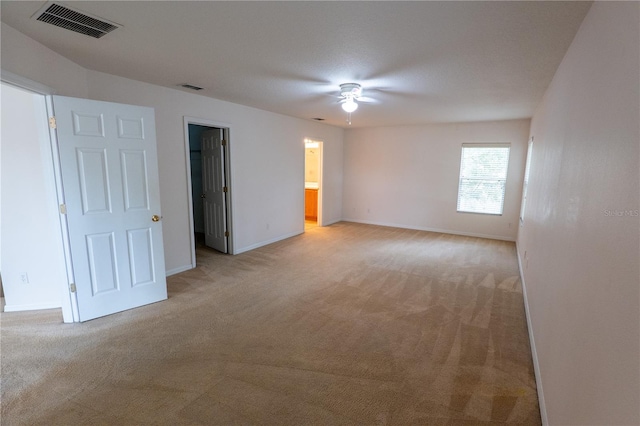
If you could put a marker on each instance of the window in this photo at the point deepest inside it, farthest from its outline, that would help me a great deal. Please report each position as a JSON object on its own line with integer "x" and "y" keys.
{"x": 525, "y": 184}
{"x": 483, "y": 176}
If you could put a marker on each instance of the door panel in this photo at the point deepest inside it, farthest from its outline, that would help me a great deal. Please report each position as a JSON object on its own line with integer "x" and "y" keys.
{"x": 87, "y": 124}
{"x": 134, "y": 180}
{"x": 140, "y": 256}
{"x": 94, "y": 180}
{"x": 109, "y": 169}
{"x": 213, "y": 183}
{"x": 102, "y": 263}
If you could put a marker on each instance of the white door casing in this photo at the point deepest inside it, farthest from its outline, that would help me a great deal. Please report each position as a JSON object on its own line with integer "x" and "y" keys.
{"x": 108, "y": 160}
{"x": 213, "y": 187}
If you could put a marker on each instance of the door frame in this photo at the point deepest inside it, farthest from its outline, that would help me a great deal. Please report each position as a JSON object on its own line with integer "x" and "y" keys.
{"x": 68, "y": 301}
{"x": 320, "y": 143}
{"x": 226, "y": 127}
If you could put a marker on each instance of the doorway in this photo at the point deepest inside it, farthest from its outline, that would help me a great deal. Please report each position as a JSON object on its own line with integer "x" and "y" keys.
{"x": 312, "y": 184}
{"x": 209, "y": 177}
{"x": 32, "y": 258}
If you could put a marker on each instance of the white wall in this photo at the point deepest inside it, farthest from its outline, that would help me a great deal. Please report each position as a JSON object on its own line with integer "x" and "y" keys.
{"x": 30, "y": 228}
{"x": 580, "y": 259}
{"x": 27, "y": 58}
{"x": 408, "y": 176}
{"x": 312, "y": 164}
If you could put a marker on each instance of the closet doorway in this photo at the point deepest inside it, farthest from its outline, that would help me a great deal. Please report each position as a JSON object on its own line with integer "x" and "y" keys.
{"x": 209, "y": 184}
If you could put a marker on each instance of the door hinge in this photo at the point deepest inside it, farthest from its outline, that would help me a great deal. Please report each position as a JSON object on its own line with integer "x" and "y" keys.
{"x": 52, "y": 123}
{"x": 63, "y": 209}
{"x": 225, "y": 189}
{"x": 226, "y": 233}
{"x": 223, "y": 142}
{"x": 72, "y": 287}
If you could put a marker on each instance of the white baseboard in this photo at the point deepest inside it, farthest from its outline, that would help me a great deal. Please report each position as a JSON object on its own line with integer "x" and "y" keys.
{"x": 267, "y": 242}
{"x": 178, "y": 270}
{"x": 31, "y": 307}
{"x": 331, "y": 222}
{"x": 532, "y": 342}
{"x": 244, "y": 249}
{"x": 442, "y": 231}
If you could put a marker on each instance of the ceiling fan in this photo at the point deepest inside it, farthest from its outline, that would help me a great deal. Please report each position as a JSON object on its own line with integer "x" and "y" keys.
{"x": 351, "y": 94}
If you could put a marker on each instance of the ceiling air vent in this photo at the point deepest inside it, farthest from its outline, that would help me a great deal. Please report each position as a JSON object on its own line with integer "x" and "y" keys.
{"x": 73, "y": 20}
{"x": 190, "y": 86}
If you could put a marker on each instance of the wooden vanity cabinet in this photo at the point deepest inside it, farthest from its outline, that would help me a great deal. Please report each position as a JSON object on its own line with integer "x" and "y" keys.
{"x": 311, "y": 204}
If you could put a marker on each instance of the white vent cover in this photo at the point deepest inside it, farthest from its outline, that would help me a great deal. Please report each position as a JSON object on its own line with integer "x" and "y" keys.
{"x": 74, "y": 20}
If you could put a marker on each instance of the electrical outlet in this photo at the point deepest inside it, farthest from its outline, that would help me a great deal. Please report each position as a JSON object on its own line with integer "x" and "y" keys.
{"x": 24, "y": 278}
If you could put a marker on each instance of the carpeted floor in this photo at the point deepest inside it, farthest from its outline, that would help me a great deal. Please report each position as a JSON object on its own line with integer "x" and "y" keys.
{"x": 347, "y": 324}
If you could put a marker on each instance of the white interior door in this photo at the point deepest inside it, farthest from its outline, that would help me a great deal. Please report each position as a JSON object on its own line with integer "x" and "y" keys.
{"x": 213, "y": 187}
{"x": 109, "y": 168}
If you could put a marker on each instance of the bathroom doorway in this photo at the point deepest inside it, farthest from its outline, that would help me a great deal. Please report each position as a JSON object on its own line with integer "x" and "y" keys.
{"x": 312, "y": 184}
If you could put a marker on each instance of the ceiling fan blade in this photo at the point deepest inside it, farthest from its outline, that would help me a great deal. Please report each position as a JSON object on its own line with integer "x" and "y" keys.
{"x": 367, "y": 100}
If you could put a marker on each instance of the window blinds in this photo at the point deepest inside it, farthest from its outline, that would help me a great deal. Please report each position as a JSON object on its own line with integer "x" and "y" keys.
{"x": 483, "y": 176}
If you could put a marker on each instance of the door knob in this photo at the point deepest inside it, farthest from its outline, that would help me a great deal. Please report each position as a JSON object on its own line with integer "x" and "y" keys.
{"x": 156, "y": 218}
{"x": 203, "y": 196}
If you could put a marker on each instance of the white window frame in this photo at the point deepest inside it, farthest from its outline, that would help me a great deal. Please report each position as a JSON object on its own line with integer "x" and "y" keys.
{"x": 462, "y": 178}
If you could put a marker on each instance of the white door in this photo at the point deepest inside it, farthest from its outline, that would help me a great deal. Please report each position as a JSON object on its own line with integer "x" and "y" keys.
{"x": 109, "y": 168}
{"x": 213, "y": 187}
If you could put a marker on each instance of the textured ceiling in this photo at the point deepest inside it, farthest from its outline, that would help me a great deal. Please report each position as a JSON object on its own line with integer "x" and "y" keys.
{"x": 423, "y": 62}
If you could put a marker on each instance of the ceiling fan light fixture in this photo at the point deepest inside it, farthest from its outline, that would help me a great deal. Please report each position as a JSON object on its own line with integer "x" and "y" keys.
{"x": 349, "y": 105}
{"x": 350, "y": 93}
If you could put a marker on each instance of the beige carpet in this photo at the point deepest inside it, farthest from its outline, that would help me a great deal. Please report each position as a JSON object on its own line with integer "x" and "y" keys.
{"x": 347, "y": 324}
